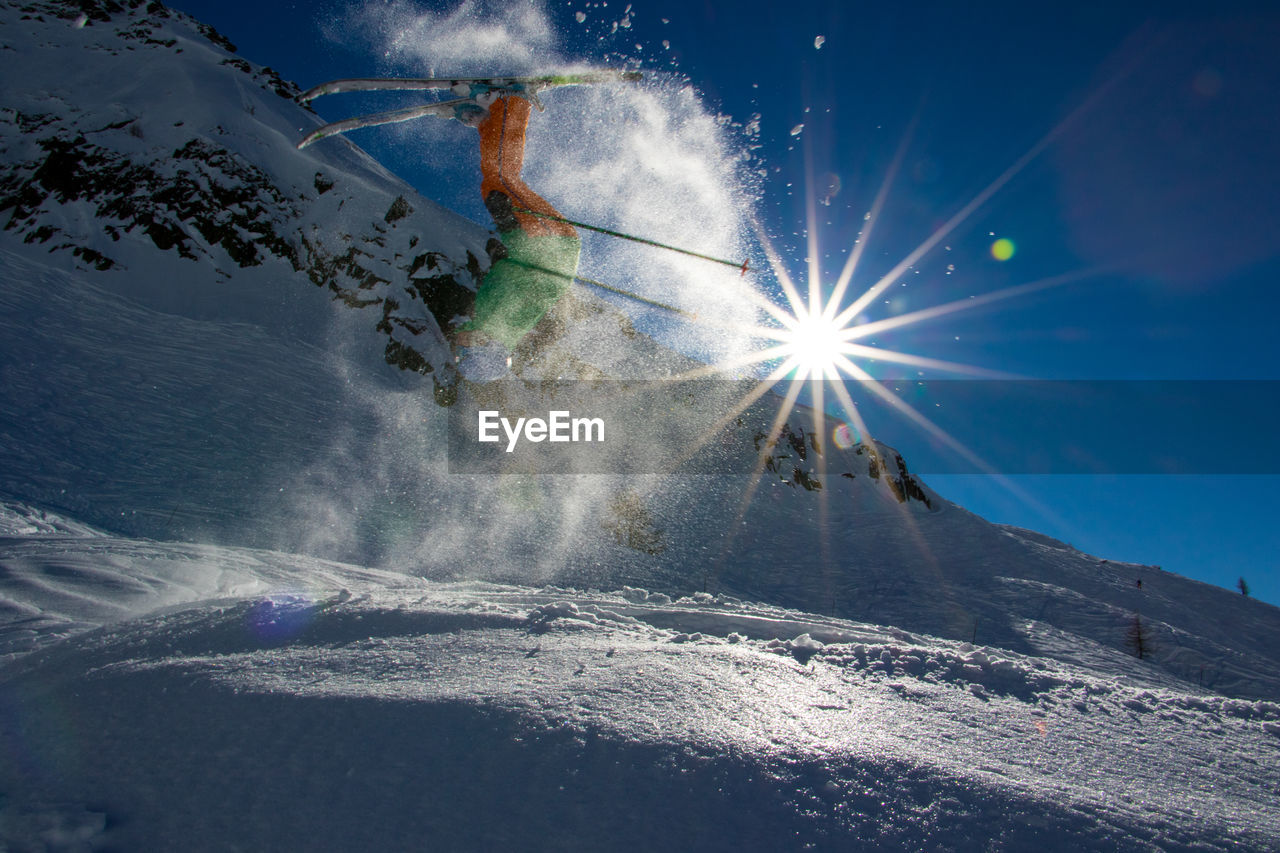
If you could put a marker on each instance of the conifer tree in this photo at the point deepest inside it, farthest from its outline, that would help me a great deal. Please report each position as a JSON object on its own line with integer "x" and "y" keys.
{"x": 1138, "y": 638}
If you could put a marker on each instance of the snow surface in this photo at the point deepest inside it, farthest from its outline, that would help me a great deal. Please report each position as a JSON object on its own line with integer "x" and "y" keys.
{"x": 244, "y": 605}
{"x": 201, "y": 430}
{"x": 322, "y": 706}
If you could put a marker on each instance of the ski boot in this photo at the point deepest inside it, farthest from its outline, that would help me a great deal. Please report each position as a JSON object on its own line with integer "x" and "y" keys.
{"x": 475, "y": 99}
{"x": 469, "y": 112}
{"x": 484, "y": 94}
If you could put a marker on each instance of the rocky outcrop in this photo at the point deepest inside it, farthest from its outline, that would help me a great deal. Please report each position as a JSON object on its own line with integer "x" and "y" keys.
{"x": 94, "y": 172}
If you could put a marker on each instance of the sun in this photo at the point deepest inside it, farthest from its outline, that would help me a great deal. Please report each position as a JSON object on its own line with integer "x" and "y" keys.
{"x": 824, "y": 341}
{"x": 813, "y": 341}
{"x": 819, "y": 336}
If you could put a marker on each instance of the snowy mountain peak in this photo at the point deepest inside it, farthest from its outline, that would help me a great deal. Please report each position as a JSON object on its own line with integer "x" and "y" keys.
{"x": 158, "y": 157}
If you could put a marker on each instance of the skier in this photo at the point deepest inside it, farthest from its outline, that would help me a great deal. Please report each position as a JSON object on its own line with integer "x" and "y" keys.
{"x": 538, "y": 261}
{"x": 540, "y": 251}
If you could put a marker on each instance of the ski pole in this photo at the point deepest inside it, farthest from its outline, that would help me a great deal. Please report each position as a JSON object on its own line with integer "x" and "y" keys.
{"x": 637, "y": 297}
{"x": 738, "y": 266}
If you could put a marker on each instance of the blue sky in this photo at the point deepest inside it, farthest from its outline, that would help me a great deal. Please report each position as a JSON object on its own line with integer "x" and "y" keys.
{"x": 1159, "y": 185}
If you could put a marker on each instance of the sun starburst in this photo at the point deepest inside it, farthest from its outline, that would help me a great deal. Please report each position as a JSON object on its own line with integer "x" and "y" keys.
{"x": 821, "y": 341}
{"x": 814, "y": 342}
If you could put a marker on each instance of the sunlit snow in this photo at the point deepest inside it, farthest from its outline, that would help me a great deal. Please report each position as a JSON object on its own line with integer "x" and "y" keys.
{"x": 244, "y": 604}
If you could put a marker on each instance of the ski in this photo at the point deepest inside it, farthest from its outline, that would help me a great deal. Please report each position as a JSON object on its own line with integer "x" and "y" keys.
{"x": 440, "y": 108}
{"x": 471, "y": 84}
{"x": 470, "y": 88}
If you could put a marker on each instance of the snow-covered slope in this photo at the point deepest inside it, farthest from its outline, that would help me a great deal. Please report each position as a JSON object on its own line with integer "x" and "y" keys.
{"x": 62, "y": 578}
{"x": 136, "y": 144}
{"x": 209, "y": 337}
{"x": 339, "y": 708}
{"x": 165, "y": 426}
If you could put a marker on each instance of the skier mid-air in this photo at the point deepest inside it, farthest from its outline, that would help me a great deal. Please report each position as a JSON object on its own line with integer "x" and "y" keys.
{"x": 539, "y": 257}
{"x": 540, "y": 248}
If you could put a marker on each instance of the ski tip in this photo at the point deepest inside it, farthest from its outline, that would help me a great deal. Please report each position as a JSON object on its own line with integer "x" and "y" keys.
{"x": 633, "y": 76}
{"x": 316, "y": 91}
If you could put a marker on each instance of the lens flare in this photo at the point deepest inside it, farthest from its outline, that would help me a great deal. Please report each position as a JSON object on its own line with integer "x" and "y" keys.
{"x": 812, "y": 336}
{"x": 815, "y": 345}
{"x": 279, "y": 618}
{"x": 843, "y": 437}
{"x": 1003, "y": 249}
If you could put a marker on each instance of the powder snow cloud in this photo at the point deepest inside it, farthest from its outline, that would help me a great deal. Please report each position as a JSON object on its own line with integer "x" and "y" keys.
{"x": 647, "y": 159}
{"x": 472, "y": 38}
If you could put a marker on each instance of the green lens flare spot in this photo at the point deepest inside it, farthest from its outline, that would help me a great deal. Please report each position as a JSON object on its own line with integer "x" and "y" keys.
{"x": 1003, "y": 249}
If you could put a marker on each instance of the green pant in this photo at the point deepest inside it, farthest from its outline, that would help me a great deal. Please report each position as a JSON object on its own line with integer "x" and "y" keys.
{"x": 521, "y": 288}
